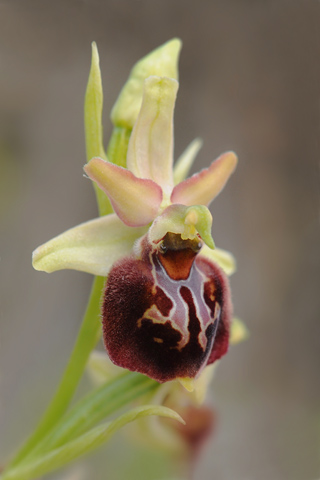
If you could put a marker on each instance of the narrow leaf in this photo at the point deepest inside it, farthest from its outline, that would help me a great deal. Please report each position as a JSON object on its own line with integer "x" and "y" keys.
{"x": 84, "y": 444}
{"x": 87, "y": 339}
{"x": 95, "y": 407}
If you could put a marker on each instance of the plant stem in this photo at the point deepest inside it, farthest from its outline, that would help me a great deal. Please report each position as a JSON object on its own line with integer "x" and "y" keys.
{"x": 88, "y": 337}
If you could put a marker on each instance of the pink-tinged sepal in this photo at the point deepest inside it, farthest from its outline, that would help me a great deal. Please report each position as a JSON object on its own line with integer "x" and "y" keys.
{"x": 163, "y": 308}
{"x": 136, "y": 201}
{"x": 203, "y": 187}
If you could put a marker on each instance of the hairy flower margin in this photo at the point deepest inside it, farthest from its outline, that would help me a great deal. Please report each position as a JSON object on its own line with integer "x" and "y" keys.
{"x": 167, "y": 309}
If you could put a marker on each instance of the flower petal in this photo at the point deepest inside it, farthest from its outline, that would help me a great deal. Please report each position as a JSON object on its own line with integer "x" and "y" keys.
{"x": 185, "y": 161}
{"x": 136, "y": 201}
{"x": 223, "y": 258}
{"x": 150, "y": 151}
{"x": 91, "y": 247}
{"x": 204, "y": 186}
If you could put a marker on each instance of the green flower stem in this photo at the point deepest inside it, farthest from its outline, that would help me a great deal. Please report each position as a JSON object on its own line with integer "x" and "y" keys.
{"x": 88, "y": 336}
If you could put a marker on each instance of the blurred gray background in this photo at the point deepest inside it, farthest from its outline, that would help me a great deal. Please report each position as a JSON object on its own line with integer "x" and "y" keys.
{"x": 249, "y": 74}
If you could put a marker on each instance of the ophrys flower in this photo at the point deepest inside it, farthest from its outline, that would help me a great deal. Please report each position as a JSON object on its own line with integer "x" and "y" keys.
{"x": 167, "y": 308}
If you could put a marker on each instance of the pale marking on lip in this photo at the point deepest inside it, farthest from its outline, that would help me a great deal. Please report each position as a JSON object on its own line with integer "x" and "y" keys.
{"x": 179, "y": 313}
{"x": 158, "y": 340}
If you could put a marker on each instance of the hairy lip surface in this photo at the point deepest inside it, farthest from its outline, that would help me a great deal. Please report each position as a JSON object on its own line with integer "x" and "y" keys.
{"x": 166, "y": 315}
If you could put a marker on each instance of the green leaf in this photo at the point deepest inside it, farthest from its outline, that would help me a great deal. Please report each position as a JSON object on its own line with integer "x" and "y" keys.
{"x": 84, "y": 444}
{"x": 95, "y": 407}
{"x": 88, "y": 336}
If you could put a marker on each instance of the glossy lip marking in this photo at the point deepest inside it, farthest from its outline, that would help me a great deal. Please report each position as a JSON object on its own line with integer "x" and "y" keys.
{"x": 179, "y": 313}
{"x": 185, "y": 329}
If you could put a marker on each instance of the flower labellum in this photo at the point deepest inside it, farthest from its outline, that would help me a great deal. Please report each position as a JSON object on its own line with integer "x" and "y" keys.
{"x": 166, "y": 311}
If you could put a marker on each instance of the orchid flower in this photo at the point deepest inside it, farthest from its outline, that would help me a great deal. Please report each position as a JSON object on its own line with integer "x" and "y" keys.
{"x": 166, "y": 310}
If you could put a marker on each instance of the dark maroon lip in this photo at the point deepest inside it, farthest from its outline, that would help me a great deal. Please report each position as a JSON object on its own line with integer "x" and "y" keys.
{"x": 166, "y": 315}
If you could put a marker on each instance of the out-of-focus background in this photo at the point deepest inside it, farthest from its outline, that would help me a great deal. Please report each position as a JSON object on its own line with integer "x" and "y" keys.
{"x": 249, "y": 74}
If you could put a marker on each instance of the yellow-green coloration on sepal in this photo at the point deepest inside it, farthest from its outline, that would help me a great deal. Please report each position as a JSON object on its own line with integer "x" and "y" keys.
{"x": 95, "y": 407}
{"x": 163, "y": 61}
{"x": 90, "y": 247}
{"x": 84, "y": 444}
{"x": 186, "y": 221}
